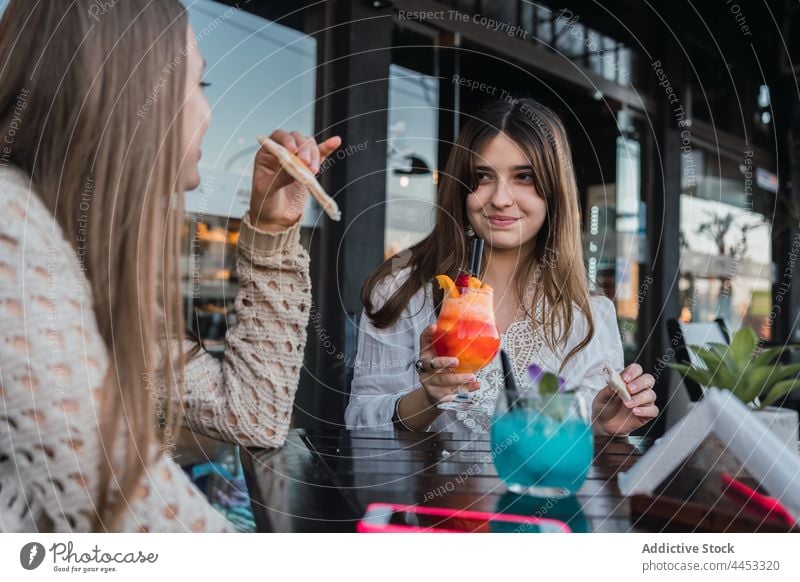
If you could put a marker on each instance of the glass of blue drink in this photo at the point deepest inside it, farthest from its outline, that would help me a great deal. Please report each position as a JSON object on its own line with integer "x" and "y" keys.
{"x": 541, "y": 445}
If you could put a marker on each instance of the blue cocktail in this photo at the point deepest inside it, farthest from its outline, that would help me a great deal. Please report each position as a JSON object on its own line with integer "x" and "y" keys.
{"x": 541, "y": 446}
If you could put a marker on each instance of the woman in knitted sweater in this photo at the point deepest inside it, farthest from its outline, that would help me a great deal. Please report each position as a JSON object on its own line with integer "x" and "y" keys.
{"x": 101, "y": 119}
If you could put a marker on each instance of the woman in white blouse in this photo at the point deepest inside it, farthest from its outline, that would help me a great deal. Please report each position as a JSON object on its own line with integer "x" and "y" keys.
{"x": 510, "y": 178}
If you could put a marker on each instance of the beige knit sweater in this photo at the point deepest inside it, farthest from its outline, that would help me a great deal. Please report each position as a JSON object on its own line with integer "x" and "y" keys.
{"x": 52, "y": 359}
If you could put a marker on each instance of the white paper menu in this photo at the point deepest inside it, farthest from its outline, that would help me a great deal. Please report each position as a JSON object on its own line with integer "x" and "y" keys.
{"x": 770, "y": 462}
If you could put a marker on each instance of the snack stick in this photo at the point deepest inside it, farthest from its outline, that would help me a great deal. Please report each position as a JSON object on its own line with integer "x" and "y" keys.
{"x": 614, "y": 380}
{"x": 300, "y": 172}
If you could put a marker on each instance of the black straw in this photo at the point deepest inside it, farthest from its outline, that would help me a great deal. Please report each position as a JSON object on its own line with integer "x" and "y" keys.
{"x": 509, "y": 382}
{"x": 475, "y": 256}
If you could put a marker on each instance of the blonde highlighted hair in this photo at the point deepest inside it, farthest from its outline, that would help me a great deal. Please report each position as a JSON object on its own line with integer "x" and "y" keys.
{"x": 109, "y": 175}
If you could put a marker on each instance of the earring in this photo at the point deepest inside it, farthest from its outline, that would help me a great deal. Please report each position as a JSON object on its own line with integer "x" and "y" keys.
{"x": 468, "y": 231}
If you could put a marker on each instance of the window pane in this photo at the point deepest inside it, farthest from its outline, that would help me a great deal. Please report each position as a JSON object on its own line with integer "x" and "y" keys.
{"x": 411, "y": 158}
{"x": 726, "y": 259}
{"x": 262, "y": 77}
{"x": 616, "y": 241}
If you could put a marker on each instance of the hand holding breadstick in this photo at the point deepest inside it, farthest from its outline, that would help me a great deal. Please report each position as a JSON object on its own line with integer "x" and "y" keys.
{"x": 283, "y": 174}
{"x": 626, "y": 403}
{"x": 614, "y": 380}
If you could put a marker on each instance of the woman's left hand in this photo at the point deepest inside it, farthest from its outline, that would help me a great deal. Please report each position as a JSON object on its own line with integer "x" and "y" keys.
{"x": 616, "y": 417}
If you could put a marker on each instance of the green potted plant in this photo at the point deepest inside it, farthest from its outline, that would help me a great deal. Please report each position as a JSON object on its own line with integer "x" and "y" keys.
{"x": 752, "y": 376}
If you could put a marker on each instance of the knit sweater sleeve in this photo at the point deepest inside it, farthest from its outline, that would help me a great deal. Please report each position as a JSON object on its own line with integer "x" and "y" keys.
{"x": 52, "y": 364}
{"x": 53, "y": 361}
{"x": 248, "y": 397}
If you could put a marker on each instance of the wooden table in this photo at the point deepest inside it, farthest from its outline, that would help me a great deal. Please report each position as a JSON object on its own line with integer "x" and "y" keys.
{"x": 323, "y": 481}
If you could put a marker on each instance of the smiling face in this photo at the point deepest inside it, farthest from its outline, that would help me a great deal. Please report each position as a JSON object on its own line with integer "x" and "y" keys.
{"x": 505, "y": 209}
{"x": 196, "y": 115}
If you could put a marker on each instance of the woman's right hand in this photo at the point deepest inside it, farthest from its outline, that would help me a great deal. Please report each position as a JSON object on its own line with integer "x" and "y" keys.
{"x": 440, "y": 382}
{"x": 273, "y": 206}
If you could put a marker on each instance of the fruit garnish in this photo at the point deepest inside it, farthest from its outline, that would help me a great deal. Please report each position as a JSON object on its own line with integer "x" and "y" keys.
{"x": 462, "y": 280}
{"x": 474, "y": 282}
{"x": 447, "y": 285}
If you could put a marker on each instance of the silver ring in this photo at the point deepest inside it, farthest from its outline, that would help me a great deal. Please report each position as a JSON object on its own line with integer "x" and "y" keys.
{"x": 421, "y": 365}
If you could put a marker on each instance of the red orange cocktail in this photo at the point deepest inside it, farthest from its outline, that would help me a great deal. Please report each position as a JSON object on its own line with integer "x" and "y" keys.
{"x": 466, "y": 327}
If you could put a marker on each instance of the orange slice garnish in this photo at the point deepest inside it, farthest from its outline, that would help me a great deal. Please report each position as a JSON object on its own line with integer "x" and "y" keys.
{"x": 447, "y": 284}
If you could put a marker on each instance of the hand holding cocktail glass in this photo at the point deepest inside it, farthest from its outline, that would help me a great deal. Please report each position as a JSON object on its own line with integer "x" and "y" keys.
{"x": 438, "y": 374}
{"x": 464, "y": 340}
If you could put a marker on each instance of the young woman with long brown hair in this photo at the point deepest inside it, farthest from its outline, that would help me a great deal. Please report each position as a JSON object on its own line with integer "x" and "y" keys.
{"x": 510, "y": 179}
{"x": 101, "y": 120}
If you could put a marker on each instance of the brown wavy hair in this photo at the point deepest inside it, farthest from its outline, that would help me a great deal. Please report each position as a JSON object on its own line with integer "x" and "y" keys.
{"x": 109, "y": 175}
{"x": 561, "y": 283}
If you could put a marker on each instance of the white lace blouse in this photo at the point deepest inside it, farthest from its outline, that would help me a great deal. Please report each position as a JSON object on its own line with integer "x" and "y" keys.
{"x": 384, "y": 365}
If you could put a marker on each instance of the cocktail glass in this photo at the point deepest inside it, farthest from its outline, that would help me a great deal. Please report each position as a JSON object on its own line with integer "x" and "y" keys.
{"x": 466, "y": 330}
{"x": 541, "y": 445}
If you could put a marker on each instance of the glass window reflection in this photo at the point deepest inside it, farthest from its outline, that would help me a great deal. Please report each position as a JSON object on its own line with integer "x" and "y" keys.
{"x": 411, "y": 158}
{"x": 726, "y": 244}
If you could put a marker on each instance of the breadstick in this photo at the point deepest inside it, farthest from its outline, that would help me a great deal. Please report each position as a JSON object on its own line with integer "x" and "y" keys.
{"x": 300, "y": 172}
{"x": 614, "y": 380}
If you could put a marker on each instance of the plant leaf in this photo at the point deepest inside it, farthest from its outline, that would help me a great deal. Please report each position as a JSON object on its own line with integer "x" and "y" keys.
{"x": 724, "y": 377}
{"x": 779, "y": 374}
{"x": 723, "y": 373}
{"x": 768, "y": 356}
{"x": 548, "y": 385}
{"x": 681, "y": 369}
{"x": 744, "y": 343}
{"x": 710, "y": 358}
{"x": 723, "y": 351}
{"x": 755, "y": 381}
{"x": 779, "y": 390}
{"x": 783, "y": 372}
{"x": 702, "y": 377}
